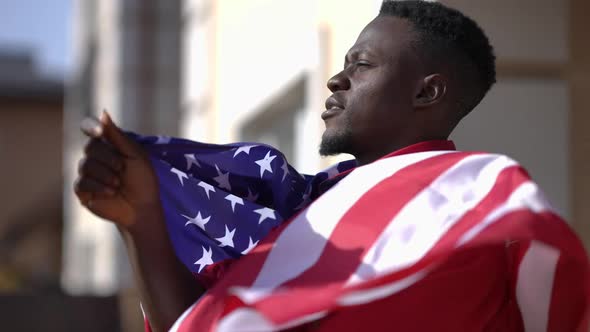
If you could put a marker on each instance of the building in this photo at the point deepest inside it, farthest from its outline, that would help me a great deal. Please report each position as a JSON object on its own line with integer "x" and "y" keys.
{"x": 245, "y": 81}
{"x": 127, "y": 61}
{"x": 222, "y": 71}
{"x": 257, "y": 70}
{"x": 31, "y": 218}
{"x": 31, "y": 149}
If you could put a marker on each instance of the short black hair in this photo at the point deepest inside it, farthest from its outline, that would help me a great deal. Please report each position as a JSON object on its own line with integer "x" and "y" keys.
{"x": 445, "y": 35}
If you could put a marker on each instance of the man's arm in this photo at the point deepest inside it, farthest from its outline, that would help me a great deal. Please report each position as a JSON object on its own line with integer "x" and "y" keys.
{"x": 166, "y": 287}
{"x": 116, "y": 182}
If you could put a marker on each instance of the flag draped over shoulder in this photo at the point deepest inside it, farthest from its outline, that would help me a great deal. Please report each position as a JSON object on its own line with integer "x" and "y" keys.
{"x": 376, "y": 250}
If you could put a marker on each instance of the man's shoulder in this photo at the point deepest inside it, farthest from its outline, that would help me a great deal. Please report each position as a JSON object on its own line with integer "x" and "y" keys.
{"x": 449, "y": 171}
{"x": 480, "y": 158}
{"x": 454, "y": 158}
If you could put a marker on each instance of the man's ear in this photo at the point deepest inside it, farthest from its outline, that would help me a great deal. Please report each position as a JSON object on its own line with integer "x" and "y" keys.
{"x": 430, "y": 91}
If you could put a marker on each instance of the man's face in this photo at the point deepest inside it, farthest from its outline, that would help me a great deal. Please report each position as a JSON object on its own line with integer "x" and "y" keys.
{"x": 371, "y": 109}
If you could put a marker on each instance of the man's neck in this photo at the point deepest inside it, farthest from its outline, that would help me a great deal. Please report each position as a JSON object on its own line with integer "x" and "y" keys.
{"x": 370, "y": 156}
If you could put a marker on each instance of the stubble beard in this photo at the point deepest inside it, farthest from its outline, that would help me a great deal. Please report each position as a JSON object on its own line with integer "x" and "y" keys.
{"x": 336, "y": 142}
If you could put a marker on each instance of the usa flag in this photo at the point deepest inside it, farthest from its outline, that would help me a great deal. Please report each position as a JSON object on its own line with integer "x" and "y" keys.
{"x": 390, "y": 246}
{"x": 220, "y": 200}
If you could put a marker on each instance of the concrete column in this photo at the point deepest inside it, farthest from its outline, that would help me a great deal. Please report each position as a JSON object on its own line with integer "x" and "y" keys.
{"x": 128, "y": 63}
{"x": 579, "y": 81}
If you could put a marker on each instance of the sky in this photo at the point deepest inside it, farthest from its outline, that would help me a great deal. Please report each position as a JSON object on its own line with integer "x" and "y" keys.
{"x": 42, "y": 26}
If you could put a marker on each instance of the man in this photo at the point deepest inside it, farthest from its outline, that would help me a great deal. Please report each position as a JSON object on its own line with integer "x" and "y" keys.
{"x": 416, "y": 237}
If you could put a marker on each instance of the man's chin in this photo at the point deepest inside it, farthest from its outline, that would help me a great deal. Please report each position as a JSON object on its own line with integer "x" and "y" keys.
{"x": 332, "y": 145}
{"x": 326, "y": 153}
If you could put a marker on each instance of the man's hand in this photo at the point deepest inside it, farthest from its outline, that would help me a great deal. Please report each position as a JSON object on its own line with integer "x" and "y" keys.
{"x": 116, "y": 180}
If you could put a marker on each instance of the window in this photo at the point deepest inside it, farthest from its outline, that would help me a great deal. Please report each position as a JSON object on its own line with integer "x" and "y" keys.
{"x": 280, "y": 122}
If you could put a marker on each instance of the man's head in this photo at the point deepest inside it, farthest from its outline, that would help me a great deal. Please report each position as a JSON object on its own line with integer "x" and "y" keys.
{"x": 415, "y": 71}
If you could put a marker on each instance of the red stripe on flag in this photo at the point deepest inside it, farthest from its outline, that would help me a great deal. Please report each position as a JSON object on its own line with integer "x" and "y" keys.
{"x": 209, "y": 308}
{"x": 525, "y": 224}
{"x": 570, "y": 307}
{"x": 507, "y": 181}
{"x": 358, "y": 229}
{"x": 570, "y": 302}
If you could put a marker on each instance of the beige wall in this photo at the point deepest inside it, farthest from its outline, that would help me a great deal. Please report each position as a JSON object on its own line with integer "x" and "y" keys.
{"x": 31, "y": 132}
{"x": 30, "y": 217}
{"x": 253, "y": 51}
{"x": 578, "y": 73}
{"x": 526, "y": 114}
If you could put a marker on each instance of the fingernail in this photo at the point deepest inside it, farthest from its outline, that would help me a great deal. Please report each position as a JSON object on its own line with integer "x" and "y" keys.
{"x": 91, "y": 127}
{"x": 103, "y": 116}
{"x": 109, "y": 191}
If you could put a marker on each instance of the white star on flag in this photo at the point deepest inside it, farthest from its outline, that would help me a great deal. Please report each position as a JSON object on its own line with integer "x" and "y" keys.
{"x": 207, "y": 187}
{"x": 163, "y": 140}
{"x": 251, "y": 246}
{"x": 252, "y": 197}
{"x": 285, "y": 169}
{"x": 205, "y": 259}
{"x": 181, "y": 175}
{"x": 227, "y": 239}
{"x": 222, "y": 179}
{"x": 234, "y": 200}
{"x": 265, "y": 213}
{"x": 245, "y": 149}
{"x": 191, "y": 160}
{"x": 265, "y": 163}
{"x": 198, "y": 220}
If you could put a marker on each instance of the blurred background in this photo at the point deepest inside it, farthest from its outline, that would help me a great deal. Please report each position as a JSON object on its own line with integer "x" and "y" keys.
{"x": 222, "y": 71}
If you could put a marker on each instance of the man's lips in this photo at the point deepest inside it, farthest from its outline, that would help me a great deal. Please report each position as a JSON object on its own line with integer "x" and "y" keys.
{"x": 333, "y": 107}
{"x": 331, "y": 112}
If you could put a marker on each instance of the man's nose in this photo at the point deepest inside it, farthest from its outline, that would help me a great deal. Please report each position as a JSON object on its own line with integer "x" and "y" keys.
{"x": 339, "y": 82}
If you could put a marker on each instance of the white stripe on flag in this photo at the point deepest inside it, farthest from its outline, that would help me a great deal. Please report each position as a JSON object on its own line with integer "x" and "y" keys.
{"x": 250, "y": 320}
{"x": 535, "y": 285}
{"x": 308, "y": 233}
{"x": 245, "y": 320}
{"x": 427, "y": 217}
{"x": 382, "y": 291}
{"x": 527, "y": 195}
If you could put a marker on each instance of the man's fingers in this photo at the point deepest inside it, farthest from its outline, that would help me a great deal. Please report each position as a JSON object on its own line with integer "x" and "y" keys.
{"x": 101, "y": 151}
{"x": 91, "y": 127}
{"x": 117, "y": 137}
{"x": 106, "y": 129}
{"x": 97, "y": 204}
{"x": 86, "y": 187}
{"x": 84, "y": 197}
{"x": 96, "y": 170}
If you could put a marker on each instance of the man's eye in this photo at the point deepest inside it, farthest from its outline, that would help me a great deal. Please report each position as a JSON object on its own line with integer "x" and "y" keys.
{"x": 358, "y": 64}
{"x": 362, "y": 65}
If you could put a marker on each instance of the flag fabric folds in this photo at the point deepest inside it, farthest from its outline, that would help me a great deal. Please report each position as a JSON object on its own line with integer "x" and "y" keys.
{"x": 220, "y": 200}
{"x": 379, "y": 241}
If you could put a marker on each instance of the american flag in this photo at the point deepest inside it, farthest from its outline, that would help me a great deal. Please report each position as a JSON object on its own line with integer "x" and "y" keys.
{"x": 220, "y": 200}
{"x": 379, "y": 250}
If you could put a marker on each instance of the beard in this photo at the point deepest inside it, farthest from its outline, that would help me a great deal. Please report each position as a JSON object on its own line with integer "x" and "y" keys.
{"x": 336, "y": 141}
